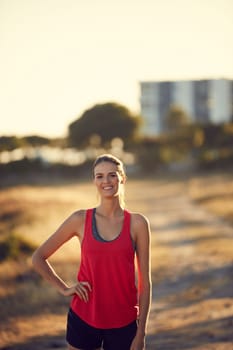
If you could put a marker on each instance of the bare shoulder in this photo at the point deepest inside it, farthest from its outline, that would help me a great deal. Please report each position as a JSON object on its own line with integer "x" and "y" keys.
{"x": 73, "y": 225}
{"x": 140, "y": 227}
{"x": 139, "y": 220}
{"x": 77, "y": 219}
{"x": 78, "y": 215}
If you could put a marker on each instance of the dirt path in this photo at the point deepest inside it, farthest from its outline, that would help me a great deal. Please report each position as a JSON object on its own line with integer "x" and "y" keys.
{"x": 192, "y": 274}
{"x": 193, "y": 285}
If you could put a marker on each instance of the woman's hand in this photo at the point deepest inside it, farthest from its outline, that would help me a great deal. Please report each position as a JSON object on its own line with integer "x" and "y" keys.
{"x": 138, "y": 343}
{"x": 82, "y": 289}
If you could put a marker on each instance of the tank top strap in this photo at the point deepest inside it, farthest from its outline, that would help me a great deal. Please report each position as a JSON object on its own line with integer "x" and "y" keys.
{"x": 127, "y": 228}
{"x": 88, "y": 222}
{"x": 127, "y": 220}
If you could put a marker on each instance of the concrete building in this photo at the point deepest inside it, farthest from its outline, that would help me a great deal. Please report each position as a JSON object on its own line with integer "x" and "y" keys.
{"x": 203, "y": 100}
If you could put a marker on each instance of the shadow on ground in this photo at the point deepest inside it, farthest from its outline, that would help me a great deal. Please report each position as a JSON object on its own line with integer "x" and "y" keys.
{"x": 198, "y": 334}
{"x": 211, "y": 283}
{"x": 38, "y": 343}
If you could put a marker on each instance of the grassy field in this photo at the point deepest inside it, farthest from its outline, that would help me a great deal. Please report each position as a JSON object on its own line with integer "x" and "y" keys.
{"x": 192, "y": 261}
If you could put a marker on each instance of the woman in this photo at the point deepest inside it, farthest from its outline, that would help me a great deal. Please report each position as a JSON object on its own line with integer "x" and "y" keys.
{"x": 105, "y": 301}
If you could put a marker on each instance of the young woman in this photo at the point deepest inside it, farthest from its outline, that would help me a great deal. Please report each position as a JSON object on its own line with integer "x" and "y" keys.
{"x": 107, "y": 310}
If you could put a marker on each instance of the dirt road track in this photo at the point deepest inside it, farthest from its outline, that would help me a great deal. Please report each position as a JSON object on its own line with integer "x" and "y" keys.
{"x": 193, "y": 284}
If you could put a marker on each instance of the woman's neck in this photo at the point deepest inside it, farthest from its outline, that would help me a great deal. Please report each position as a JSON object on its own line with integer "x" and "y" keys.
{"x": 110, "y": 208}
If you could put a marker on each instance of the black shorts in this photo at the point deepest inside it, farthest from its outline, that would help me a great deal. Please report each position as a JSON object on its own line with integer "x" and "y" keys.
{"x": 83, "y": 336}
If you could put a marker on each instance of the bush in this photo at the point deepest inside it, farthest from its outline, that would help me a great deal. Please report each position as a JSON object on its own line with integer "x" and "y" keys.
{"x": 15, "y": 247}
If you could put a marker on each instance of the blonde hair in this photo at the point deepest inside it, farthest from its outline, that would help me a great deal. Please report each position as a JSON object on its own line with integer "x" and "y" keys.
{"x": 120, "y": 168}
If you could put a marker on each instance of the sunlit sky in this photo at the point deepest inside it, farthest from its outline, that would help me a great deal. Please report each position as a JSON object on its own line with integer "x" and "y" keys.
{"x": 61, "y": 57}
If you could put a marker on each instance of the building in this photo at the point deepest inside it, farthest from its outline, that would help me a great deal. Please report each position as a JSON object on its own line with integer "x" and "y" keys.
{"x": 203, "y": 100}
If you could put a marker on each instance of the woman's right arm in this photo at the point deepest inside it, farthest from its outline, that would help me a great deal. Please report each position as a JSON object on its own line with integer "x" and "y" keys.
{"x": 70, "y": 228}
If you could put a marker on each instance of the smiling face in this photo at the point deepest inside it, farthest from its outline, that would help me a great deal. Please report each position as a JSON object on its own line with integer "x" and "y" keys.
{"x": 108, "y": 179}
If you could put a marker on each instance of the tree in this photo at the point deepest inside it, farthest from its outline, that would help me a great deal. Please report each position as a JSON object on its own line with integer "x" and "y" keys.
{"x": 105, "y": 122}
{"x": 35, "y": 140}
{"x": 176, "y": 118}
{"x": 9, "y": 143}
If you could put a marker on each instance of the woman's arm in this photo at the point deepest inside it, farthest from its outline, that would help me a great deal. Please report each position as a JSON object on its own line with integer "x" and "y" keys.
{"x": 141, "y": 229}
{"x": 70, "y": 227}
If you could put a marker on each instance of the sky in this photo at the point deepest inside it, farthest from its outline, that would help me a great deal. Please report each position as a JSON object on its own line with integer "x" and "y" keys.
{"x": 61, "y": 57}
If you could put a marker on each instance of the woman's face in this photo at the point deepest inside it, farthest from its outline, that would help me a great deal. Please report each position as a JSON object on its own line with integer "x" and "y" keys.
{"x": 107, "y": 179}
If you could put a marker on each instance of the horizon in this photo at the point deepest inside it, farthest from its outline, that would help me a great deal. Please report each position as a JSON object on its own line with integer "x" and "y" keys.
{"x": 60, "y": 58}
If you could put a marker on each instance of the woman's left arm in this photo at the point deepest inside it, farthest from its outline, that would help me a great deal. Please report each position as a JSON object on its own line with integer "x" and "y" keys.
{"x": 142, "y": 237}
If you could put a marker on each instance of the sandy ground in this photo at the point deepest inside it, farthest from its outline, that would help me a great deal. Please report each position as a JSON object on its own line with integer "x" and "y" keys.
{"x": 192, "y": 266}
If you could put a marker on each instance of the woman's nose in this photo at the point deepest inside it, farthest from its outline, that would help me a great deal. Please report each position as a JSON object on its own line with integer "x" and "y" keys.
{"x": 106, "y": 179}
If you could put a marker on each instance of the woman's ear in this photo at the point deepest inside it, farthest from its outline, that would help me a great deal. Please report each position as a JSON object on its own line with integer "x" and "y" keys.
{"x": 123, "y": 180}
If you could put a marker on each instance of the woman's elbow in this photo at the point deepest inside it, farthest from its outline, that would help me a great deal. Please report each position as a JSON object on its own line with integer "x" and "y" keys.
{"x": 36, "y": 259}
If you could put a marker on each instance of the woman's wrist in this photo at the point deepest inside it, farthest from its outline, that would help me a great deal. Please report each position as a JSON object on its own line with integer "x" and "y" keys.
{"x": 63, "y": 289}
{"x": 141, "y": 332}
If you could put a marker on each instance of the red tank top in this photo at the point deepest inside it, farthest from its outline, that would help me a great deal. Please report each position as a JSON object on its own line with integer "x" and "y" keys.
{"x": 109, "y": 267}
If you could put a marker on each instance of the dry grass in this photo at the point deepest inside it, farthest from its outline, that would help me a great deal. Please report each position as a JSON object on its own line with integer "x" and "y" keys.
{"x": 191, "y": 261}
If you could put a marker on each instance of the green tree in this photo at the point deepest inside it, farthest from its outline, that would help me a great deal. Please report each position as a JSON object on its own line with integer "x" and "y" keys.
{"x": 105, "y": 122}
{"x": 9, "y": 143}
{"x": 35, "y": 140}
{"x": 176, "y": 119}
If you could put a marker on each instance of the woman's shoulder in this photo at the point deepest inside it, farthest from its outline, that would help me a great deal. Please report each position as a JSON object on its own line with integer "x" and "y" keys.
{"x": 140, "y": 227}
{"x": 80, "y": 213}
{"x": 138, "y": 218}
{"x": 76, "y": 221}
